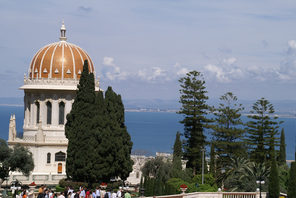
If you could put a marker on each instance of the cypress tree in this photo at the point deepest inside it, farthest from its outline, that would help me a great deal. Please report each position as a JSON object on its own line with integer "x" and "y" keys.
{"x": 79, "y": 131}
{"x": 274, "y": 185}
{"x": 99, "y": 145}
{"x": 121, "y": 141}
{"x": 103, "y": 163}
{"x": 145, "y": 184}
{"x": 227, "y": 130}
{"x": 177, "y": 154}
{"x": 282, "y": 155}
{"x": 194, "y": 108}
{"x": 292, "y": 181}
{"x": 262, "y": 131}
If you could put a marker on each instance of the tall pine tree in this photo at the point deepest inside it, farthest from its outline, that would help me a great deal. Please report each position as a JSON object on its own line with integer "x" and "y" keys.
{"x": 194, "y": 108}
{"x": 262, "y": 131}
{"x": 282, "y": 154}
{"x": 227, "y": 130}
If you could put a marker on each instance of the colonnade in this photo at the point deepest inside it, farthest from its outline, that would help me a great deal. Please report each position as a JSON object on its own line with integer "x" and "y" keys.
{"x": 32, "y": 101}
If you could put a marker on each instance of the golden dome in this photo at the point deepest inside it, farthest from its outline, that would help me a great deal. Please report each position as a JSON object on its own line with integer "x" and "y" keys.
{"x": 61, "y": 60}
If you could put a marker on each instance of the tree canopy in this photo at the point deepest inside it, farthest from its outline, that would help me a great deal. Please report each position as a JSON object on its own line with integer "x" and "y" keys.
{"x": 99, "y": 145}
{"x": 227, "y": 130}
{"x": 194, "y": 108}
{"x": 262, "y": 131}
{"x": 17, "y": 158}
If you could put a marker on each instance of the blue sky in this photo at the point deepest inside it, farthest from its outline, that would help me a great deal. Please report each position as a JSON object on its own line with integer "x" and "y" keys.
{"x": 142, "y": 47}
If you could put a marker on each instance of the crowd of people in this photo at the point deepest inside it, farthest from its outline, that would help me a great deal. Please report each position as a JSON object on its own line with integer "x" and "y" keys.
{"x": 83, "y": 192}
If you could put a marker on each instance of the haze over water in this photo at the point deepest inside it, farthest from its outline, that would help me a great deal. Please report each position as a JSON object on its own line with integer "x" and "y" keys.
{"x": 150, "y": 131}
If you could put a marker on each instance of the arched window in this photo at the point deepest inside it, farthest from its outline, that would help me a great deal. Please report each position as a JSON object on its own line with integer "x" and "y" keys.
{"x": 60, "y": 157}
{"x": 61, "y": 113}
{"x": 48, "y": 106}
{"x": 48, "y": 158}
{"x": 37, "y": 112}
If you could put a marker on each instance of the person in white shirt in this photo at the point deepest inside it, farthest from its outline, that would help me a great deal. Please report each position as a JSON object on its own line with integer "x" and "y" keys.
{"x": 61, "y": 195}
{"x": 98, "y": 193}
{"x": 118, "y": 194}
{"x": 113, "y": 194}
{"x": 82, "y": 193}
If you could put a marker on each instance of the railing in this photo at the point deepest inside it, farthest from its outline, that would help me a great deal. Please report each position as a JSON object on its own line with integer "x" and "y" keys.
{"x": 216, "y": 195}
{"x": 239, "y": 195}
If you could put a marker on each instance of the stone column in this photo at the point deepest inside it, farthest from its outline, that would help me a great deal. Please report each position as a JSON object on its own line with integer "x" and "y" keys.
{"x": 42, "y": 113}
{"x": 33, "y": 112}
{"x": 55, "y": 113}
{"x": 68, "y": 106}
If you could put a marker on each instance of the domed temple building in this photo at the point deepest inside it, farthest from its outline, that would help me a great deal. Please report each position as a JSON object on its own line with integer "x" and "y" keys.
{"x": 49, "y": 91}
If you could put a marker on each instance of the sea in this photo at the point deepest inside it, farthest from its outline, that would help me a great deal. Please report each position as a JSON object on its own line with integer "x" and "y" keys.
{"x": 151, "y": 132}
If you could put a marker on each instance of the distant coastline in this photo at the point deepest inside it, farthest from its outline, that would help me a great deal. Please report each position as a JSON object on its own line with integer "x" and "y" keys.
{"x": 11, "y": 105}
{"x": 279, "y": 114}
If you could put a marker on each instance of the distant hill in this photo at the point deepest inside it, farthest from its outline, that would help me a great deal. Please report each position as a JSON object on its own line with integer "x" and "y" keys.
{"x": 283, "y": 107}
{"x": 11, "y": 101}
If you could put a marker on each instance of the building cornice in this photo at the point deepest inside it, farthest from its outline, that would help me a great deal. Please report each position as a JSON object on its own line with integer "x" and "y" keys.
{"x": 53, "y": 84}
{"x": 24, "y": 143}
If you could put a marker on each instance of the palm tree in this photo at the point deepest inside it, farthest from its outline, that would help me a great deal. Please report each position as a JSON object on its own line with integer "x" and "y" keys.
{"x": 242, "y": 174}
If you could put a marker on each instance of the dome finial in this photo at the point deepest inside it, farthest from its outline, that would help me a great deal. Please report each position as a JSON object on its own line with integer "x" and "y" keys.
{"x": 63, "y": 32}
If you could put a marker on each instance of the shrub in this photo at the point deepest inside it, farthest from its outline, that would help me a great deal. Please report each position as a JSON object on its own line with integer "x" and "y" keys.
{"x": 64, "y": 183}
{"x": 59, "y": 188}
{"x": 173, "y": 186}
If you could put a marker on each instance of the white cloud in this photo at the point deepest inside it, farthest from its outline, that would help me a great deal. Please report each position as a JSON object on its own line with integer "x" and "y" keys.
{"x": 182, "y": 72}
{"x": 113, "y": 72}
{"x": 108, "y": 61}
{"x": 229, "y": 61}
{"x": 218, "y": 72}
{"x": 292, "y": 44}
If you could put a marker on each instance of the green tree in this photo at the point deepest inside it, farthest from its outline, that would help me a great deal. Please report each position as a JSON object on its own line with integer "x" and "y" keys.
{"x": 194, "y": 108}
{"x": 157, "y": 168}
{"x": 121, "y": 145}
{"x": 262, "y": 131}
{"x": 242, "y": 175}
{"x": 283, "y": 177}
{"x": 177, "y": 157}
{"x": 274, "y": 185}
{"x": 282, "y": 155}
{"x": 79, "y": 130}
{"x": 292, "y": 180}
{"x": 99, "y": 145}
{"x": 227, "y": 130}
{"x": 17, "y": 158}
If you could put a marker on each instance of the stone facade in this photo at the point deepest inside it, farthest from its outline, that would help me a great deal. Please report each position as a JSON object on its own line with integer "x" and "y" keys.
{"x": 49, "y": 92}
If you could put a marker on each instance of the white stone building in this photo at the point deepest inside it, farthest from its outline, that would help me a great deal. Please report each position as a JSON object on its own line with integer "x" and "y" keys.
{"x": 49, "y": 91}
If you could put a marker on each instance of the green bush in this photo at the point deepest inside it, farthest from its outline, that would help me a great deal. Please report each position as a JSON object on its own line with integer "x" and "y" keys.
{"x": 173, "y": 185}
{"x": 207, "y": 188}
{"x": 59, "y": 188}
{"x": 208, "y": 179}
{"x": 65, "y": 183}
